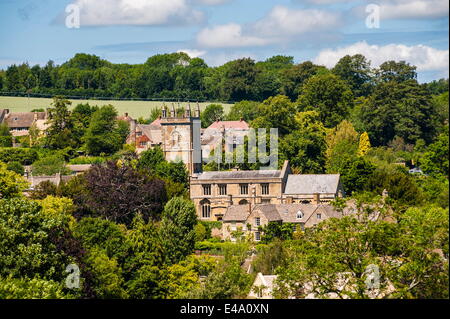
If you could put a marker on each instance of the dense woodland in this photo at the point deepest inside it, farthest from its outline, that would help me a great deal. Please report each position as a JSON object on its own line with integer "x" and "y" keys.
{"x": 128, "y": 222}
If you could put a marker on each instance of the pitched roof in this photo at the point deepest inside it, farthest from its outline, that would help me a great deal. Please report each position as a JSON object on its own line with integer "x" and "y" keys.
{"x": 22, "y": 119}
{"x": 239, "y": 174}
{"x": 287, "y": 213}
{"x": 236, "y": 213}
{"x": 268, "y": 280}
{"x": 152, "y": 132}
{"x": 240, "y": 125}
{"x": 312, "y": 184}
{"x": 156, "y": 122}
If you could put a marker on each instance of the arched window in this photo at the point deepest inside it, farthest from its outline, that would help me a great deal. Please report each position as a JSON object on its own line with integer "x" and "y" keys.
{"x": 300, "y": 214}
{"x": 243, "y": 202}
{"x": 206, "y": 208}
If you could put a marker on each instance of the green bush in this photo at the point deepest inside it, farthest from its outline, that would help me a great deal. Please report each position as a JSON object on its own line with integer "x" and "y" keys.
{"x": 15, "y": 167}
{"x": 24, "y": 156}
{"x": 6, "y": 141}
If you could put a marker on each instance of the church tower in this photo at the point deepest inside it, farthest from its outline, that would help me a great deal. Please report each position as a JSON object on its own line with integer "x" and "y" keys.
{"x": 181, "y": 137}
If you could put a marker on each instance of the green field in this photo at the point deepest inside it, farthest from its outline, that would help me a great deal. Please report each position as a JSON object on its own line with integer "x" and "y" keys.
{"x": 135, "y": 109}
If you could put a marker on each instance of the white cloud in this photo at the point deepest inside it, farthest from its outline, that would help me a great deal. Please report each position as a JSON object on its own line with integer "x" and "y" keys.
{"x": 398, "y": 9}
{"x": 227, "y": 35}
{"x": 280, "y": 25}
{"x": 136, "y": 12}
{"x": 424, "y": 57}
{"x": 193, "y": 53}
{"x": 407, "y": 9}
{"x": 283, "y": 21}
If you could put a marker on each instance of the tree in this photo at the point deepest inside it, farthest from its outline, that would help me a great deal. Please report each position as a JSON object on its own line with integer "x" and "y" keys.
{"x": 177, "y": 229}
{"x": 59, "y": 133}
{"x": 435, "y": 160}
{"x": 239, "y": 79}
{"x": 243, "y": 110}
{"x": 49, "y": 166}
{"x": 11, "y": 184}
{"x": 401, "y": 109}
{"x": 210, "y": 114}
{"x": 103, "y": 135}
{"x": 344, "y": 132}
{"x": 276, "y": 112}
{"x": 355, "y": 174}
{"x": 16, "y": 167}
{"x": 6, "y": 138}
{"x": 364, "y": 144}
{"x": 407, "y": 255}
{"x": 305, "y": 147}
{"x": 396, "y": 71}
{"x": 119, "y": 192}
{"x": 355, "y": 70}
{"x": 329, "y": 95}
{"x": 293, "y": 78}
{"x": 25, "y": 241}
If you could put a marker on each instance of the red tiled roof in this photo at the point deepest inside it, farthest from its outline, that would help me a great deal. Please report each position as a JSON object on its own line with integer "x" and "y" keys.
{"x": 229, "y": 125}
{"x": 156, "y": 122}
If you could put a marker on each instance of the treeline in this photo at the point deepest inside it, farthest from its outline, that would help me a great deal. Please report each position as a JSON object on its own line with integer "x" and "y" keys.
{"x": 177, "y": 76}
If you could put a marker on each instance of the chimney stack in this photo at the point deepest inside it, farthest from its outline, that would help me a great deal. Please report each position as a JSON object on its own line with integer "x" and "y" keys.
{"x": 316, "y": 199}
{"x": 197, "y": 111}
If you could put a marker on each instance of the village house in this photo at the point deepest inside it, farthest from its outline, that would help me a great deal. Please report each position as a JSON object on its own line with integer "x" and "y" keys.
{"x": 252, "y": 219}
{"x": 214, "y": 192}
{"x": 19, "y": 123}
{"x": 262, "y": 287}
{"x": 232, "y": 132}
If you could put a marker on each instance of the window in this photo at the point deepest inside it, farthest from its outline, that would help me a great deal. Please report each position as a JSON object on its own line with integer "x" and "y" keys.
{"x": 233, "y": 226}
{"x": 265, "y": 201}
{"x": 265, "y": 189}
{"x": 257, "y": 221}
{"x": 244, "y": 189}
{"x": 319, "y": 216}
{"x": 143, "y": 144}
{"x": 206, "y": 208}
{"x": 222, "y": 189}
{"x": 207, "y": 190}
{"x": 299, "y": 215}
{"x": 257, "y": 236}
{"x": 243, "y": 202}
{"x": 138, "y": 133}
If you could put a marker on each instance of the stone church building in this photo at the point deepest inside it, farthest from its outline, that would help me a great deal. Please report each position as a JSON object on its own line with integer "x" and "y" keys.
{"x": 179, "y": 136}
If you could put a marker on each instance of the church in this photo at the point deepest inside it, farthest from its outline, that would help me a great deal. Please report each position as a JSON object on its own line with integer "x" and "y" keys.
{"x": 214, "y": 192}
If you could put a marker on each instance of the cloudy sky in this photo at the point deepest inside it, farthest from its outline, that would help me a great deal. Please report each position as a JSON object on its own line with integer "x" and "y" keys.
{"x": 323, "y": 31}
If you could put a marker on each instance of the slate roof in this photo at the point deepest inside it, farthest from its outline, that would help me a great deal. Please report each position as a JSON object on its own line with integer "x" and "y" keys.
{"x": 239, "y": 174}
{"x": 312, "y": 184}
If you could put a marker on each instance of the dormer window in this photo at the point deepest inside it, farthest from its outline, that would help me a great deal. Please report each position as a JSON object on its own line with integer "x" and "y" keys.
{"x": 300, "y": 214}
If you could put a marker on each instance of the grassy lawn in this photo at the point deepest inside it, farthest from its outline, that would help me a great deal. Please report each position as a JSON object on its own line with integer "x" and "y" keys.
{"x": 135, "y": 109}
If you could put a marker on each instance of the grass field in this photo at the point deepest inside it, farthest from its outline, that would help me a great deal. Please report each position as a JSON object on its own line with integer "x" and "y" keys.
{"x": 135, "y": 109}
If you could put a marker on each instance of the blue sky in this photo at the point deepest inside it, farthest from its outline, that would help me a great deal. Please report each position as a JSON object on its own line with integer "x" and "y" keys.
{"x": 129, "y": 31}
